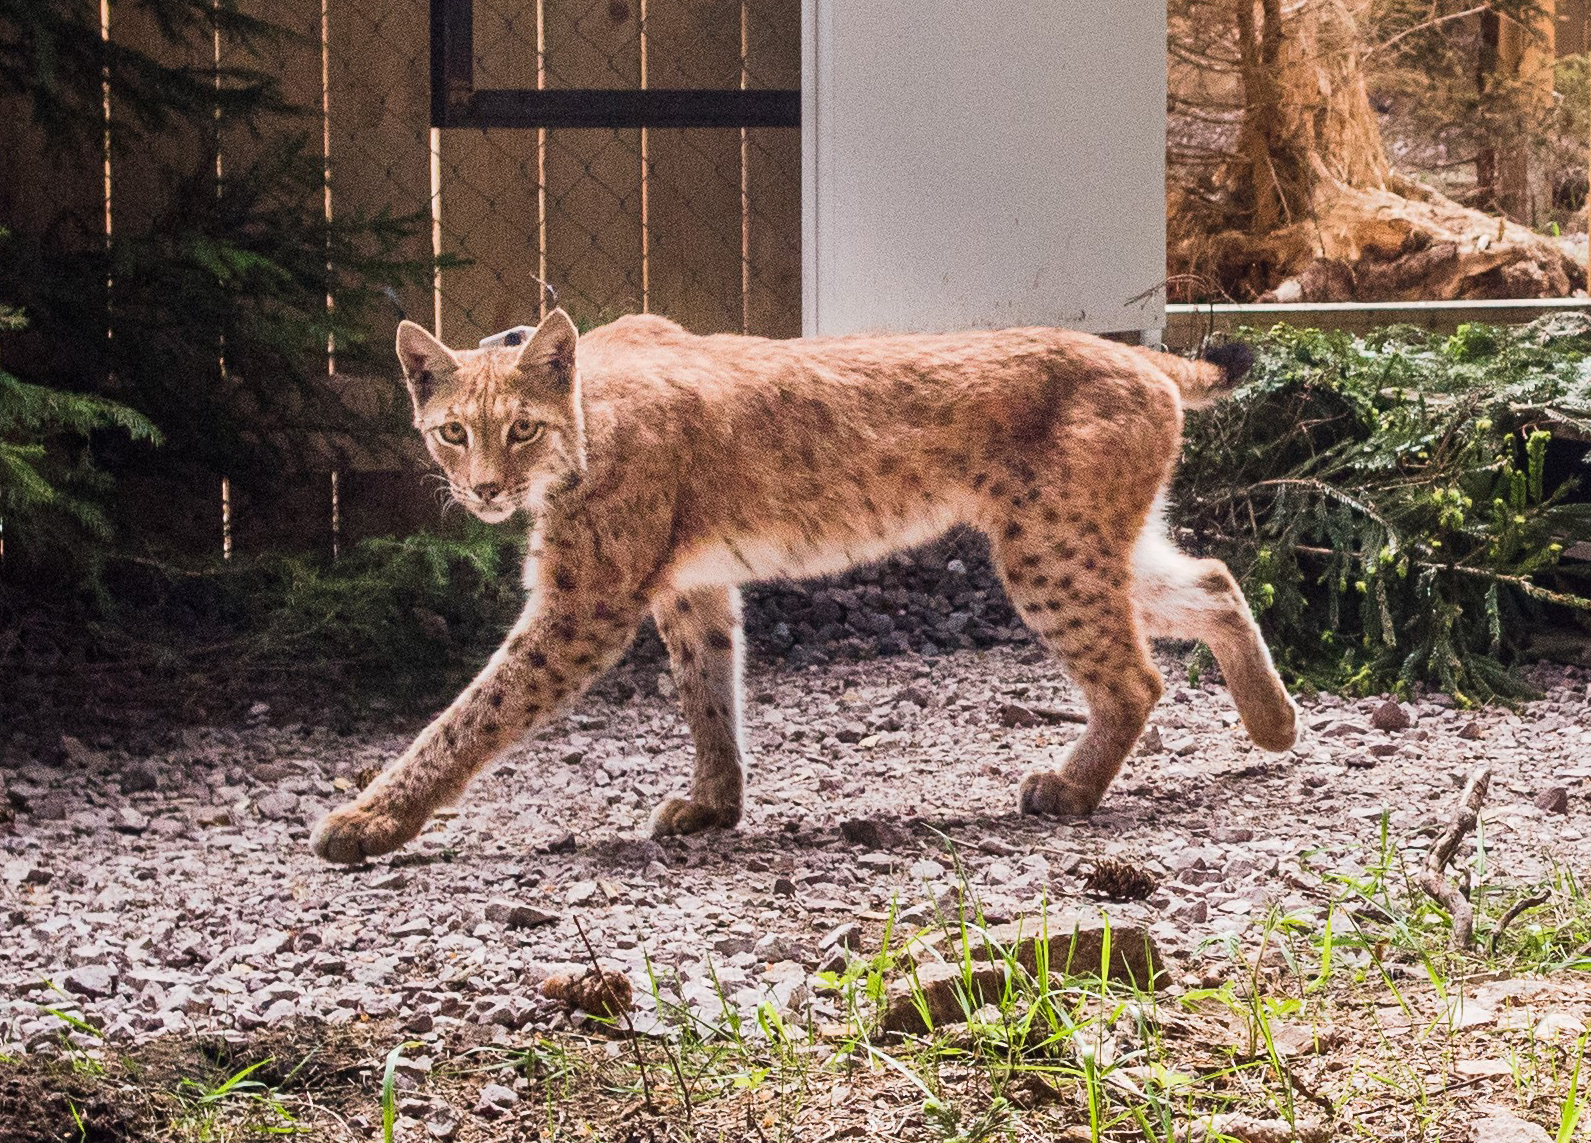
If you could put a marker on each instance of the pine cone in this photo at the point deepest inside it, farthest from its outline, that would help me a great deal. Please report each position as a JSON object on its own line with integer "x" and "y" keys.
{"x": 1119, "y": 880}
{"x": 599, "y": 993}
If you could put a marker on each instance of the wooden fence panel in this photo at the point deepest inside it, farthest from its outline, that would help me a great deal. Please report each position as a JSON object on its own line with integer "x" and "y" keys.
{"x": 694, "y": 216}
{"x": 710, "y": 236}
{"x": 380, "y": 115}
{"x": 489, "y": 200}
{"x": 593, "y": 177}
{"x": 773, "y": 175}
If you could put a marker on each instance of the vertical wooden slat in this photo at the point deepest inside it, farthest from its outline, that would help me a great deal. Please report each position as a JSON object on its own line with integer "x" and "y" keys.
{"x": 773, "y": 306}
{"x": 153, "y": 175}
{"x": 489, "y": 202}
{"x": 379, "y": 120}
{"x": 489, "y": 218}
{"x": 52, "y": 194}
{"x": 285, "y": 511}
{"x": 153, "y": 171}
{"x": 773, "y": 170}
{"x": 593, "y": 183}
{"x": 379, "y": 132}
{"x": 694, "y": 217}
{"x": 294, "y": 60}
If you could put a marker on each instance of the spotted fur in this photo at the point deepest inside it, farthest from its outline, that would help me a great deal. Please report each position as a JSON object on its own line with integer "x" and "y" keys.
{"x": 661, "y": 470}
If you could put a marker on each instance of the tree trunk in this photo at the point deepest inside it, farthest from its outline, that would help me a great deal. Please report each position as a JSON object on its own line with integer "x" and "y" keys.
{"x": 1514, "y": 60}
{"x": 1310, "y": 209}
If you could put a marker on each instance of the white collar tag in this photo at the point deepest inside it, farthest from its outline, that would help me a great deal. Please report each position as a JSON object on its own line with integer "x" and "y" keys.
{"x": 517, "y": 335}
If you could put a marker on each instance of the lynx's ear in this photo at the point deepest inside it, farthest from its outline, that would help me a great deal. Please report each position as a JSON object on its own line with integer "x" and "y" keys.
{"x": 547, "y": 364}
{"x": 424, "y": 359}
{"x": 548, "y": 358}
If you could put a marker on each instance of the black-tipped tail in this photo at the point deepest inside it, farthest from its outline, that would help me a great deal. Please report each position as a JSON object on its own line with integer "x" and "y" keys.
{"x": 1234, "y": 358}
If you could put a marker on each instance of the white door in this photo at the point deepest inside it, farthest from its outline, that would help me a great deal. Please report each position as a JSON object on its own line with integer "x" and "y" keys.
{"x": 983, "y": 164}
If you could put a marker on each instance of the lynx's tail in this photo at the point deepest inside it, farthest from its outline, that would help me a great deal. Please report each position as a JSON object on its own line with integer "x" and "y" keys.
{"x": 1215, "y": 372}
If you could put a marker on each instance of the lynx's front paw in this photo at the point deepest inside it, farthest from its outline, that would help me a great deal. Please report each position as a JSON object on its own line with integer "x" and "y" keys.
{"x": 682, "y": 816}
{"x": 353, "y": 832}
{"x": 1047, "y": 792}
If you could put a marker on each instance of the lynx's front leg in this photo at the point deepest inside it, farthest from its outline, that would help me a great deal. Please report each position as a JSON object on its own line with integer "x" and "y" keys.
{"x": 702, "y": 631}
{"x": 550, "y": 656}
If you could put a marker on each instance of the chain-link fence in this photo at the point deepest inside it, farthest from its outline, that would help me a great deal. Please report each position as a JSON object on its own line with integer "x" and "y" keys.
{"x": 701, "y": 224}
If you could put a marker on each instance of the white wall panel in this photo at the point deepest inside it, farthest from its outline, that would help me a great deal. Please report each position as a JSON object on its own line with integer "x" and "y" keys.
{"x": 983, "y": 164}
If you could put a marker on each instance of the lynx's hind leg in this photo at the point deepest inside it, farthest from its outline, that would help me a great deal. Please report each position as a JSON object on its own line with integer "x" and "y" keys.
{"x": 1072, "y": 589}
{"x": 701, "y": 629}
{"x": 1185, "y": 598}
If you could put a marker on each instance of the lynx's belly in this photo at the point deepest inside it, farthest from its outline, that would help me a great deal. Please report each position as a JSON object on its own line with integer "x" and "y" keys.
{"x": 789, "y": 553}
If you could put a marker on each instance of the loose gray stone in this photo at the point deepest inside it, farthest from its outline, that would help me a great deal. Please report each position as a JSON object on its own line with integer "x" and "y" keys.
{"x": 517, "y": 915}
{"x": 92, "y": 980}
{"x": 1390, "y": 716}
{"x": 280, "y": 1012}
{"x": 863, "y": 832}
{"x": 277, "y": 805}
{"x": 138, "y": 778}
{"x": 843, "y": 936}
{"x": 495, "y": 1100}
{"x": 1554, "y": 799}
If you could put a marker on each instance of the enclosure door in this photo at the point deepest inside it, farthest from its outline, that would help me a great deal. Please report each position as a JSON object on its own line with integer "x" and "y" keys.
{"x": 983, "y": 165}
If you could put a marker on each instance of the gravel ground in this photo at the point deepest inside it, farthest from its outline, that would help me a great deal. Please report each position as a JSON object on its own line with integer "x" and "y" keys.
{"x": 172, "y": 892}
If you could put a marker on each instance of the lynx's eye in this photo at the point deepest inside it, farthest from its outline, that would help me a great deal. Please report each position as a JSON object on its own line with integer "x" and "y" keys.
{"x": 525, "y": 430}
{"x": 454, "y": 433}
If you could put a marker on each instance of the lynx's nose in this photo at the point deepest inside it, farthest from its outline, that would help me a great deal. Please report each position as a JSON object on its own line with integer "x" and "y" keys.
{"x": 488, "y": 491}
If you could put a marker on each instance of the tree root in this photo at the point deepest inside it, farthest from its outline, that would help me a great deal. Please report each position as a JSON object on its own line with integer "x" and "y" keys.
{"x": 1434, "y": 881}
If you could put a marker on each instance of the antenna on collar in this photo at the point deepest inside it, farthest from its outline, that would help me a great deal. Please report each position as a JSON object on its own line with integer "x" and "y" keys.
{"x": 552, "y": 293}
{"x": 519, "y": 334}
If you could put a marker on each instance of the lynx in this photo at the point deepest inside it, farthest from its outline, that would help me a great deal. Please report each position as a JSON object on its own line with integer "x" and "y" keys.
{"x": 661, "y": 470}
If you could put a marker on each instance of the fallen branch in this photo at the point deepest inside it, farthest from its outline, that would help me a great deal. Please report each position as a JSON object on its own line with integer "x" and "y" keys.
{"x": 1514, "y": 910}
{"x": 1433, "y": 880}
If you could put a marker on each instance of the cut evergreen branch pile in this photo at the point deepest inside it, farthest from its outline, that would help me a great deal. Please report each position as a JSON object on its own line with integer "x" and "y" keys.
{"x": 1398, "y": 506}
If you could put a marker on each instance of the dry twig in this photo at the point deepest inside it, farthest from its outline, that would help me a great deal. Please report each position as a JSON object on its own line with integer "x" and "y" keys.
{"x": 1433, "y": 880}
{"x": 623, "y": 1011}
{"x": 1514, "y": 910}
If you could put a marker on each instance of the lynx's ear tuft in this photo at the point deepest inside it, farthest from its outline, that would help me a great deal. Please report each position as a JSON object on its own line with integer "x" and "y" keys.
{"x": 549, "y": 356}
{"x": 424, "y": 360}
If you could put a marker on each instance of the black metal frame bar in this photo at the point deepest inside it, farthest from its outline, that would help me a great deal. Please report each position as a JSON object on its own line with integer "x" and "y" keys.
{"x": 456, "y": 102}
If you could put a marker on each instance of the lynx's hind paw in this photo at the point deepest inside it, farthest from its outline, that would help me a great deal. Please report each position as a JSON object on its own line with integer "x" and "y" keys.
{"x": 679, "y": 816}
{"x": 1047, "y": 793}
{"x": 1275, "y": 727}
